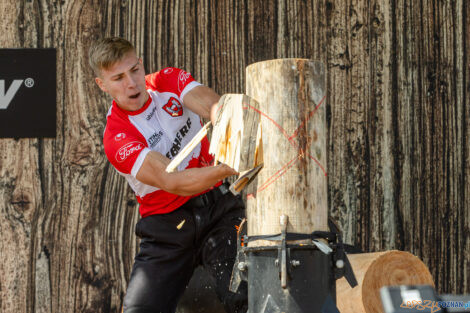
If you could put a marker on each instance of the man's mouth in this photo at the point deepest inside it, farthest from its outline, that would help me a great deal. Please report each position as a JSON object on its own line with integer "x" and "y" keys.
{"x": 135, "y": 96}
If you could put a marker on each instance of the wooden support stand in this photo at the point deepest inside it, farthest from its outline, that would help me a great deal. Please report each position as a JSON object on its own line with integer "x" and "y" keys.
{"x": 291, "y": 97}
{"x": 375, "y": 270}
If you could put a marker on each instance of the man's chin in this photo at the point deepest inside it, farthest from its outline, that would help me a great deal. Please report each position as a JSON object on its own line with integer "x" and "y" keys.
{"x": 132, "y": 104}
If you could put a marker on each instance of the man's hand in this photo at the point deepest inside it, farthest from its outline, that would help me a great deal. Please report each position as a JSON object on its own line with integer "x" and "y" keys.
{"x": 203, "y": 101}
{"x": 227, "y": 169}
{"x": 185, "y": 183}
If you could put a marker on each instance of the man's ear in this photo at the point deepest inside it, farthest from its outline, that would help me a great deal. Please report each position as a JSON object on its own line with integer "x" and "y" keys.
{"x": 100, "y": 84}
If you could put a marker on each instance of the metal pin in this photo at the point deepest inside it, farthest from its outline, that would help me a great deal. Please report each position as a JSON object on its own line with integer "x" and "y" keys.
{"x": 295, "y": 263}
{"x": 242, "y": 266}
{"x": 339, "y": 263}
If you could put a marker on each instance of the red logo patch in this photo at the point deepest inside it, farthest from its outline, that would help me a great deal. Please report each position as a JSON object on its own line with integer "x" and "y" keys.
{"x": 173, "y": 107}
{"x": 127, "y": 150}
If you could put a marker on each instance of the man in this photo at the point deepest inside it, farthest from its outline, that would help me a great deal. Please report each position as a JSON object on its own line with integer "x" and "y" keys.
{"x": 188, "y": 217}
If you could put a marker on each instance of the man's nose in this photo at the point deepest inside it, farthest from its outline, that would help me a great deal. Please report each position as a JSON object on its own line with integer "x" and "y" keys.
{"x": 131, "y": 83}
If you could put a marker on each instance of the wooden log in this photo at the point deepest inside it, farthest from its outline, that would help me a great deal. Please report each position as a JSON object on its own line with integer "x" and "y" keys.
{"x": 236, "y": 134}
{"x": 375, "y": 270}
{"x": 291, "y": 95}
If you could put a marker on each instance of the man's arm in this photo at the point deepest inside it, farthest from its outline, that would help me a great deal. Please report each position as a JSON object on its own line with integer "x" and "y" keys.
{"x": 185, "y": 183}
{"x": 203, "y": 101}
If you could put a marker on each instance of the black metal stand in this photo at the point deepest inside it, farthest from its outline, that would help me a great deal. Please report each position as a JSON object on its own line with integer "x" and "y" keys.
{"x": 292, "y": 278}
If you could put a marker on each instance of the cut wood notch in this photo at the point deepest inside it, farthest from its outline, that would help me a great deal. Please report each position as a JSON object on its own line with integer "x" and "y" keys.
{"x": 237, "y": 138}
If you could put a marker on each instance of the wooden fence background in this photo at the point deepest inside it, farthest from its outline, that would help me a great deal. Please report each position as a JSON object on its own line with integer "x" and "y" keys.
{"x": 398, "y": 122}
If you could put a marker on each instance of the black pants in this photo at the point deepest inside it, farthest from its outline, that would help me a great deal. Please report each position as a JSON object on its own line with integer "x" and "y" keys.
{"x": 174, "y": 244}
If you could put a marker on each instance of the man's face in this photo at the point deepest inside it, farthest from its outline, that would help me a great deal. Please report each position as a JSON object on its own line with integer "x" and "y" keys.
{"x": 125, "y": 82}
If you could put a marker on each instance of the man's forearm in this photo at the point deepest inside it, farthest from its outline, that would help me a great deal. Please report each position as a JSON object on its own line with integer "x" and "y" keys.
{"x": 196, "y": 180}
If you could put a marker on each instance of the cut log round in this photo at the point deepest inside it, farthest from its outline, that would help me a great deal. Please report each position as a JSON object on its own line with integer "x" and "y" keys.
{"x": 375, "y": 270}
{"x": 291, "y": 95}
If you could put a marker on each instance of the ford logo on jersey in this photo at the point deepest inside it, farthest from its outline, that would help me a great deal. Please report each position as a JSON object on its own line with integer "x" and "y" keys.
{"x": 127, "y": 150}
{"x": 27, "y": 93}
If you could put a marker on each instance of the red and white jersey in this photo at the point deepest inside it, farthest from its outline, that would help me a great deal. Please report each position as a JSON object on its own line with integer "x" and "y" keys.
{"x": 163, "y": 124}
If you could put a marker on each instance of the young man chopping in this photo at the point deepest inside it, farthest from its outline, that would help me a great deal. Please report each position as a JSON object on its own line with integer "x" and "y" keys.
{"x": 188, "y": 216}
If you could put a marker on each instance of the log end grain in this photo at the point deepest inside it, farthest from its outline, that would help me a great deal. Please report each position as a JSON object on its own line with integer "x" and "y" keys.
{"x": 391, "y": 269}
{"x": 374, "y": 271}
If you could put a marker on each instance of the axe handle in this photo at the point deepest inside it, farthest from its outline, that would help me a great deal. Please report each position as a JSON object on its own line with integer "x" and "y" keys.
{"x": 188, "y": 148}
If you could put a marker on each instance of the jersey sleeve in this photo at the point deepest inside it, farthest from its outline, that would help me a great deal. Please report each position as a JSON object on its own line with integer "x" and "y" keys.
{"x": 172, "y": 80}
{"x": 125, "y": 151}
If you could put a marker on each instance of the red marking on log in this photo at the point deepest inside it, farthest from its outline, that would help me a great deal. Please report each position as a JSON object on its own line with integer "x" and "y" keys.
{"x": 318, "y": 163}
{"x": 283, "y": 169}
{"x": 279, "y": 173}
{"x": 312, "y": 113}
{"x": 283, "y": 131}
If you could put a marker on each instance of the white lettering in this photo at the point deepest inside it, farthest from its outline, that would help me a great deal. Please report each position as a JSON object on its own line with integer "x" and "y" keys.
{"x": 127, "y": 150}
{"x": 6, "y": 97}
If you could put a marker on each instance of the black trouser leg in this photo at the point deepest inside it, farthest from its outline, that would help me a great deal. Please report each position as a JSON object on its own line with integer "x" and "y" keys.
{"x": 168, "y": 256}
{"x": 219, "y": 250}
{"x": 164, "y": 264}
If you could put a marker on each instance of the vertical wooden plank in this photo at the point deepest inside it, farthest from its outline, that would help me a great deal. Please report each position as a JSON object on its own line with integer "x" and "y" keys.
{"x": 262, "y": 27}
{"x": 20, "y": 191}
{"x": 362, "y": 116}
{"x": 464, "y": 39}
{"x": 379, "y": 125}
{"x": 450, "y": 83}
{"x": 382, "y": 48}
{"x": 227, "y": 48}
{"x": 411, "y": 151}
{"x": 342, "y": 180}
{"x": 201, "y": 57}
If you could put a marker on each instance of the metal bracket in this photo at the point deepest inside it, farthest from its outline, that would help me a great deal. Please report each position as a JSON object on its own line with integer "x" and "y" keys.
{"x": 340, "y": 259}
{"x": 284, "y": 219}
{"x": 240, "y": 268}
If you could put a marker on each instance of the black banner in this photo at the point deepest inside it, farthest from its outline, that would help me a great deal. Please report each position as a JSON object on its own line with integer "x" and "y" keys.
{"x": 27, "y": 93}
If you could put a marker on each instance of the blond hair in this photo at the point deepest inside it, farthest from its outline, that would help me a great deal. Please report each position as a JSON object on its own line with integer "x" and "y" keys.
{"x": 105, "y": 52}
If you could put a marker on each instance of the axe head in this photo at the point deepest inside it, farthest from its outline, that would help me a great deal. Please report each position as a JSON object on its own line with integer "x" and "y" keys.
{"x": 245, "y": 179}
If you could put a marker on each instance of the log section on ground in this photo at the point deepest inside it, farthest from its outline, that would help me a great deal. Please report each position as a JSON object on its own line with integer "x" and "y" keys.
{"x": 375, "y": 270}
{"x": 236, "y": 136}
{"x": 291, "y": 95}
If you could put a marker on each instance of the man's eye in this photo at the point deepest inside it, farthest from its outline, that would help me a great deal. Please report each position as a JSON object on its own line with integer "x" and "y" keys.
{"x": 118, "y": 78}
{"x": 135, "y": 69}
